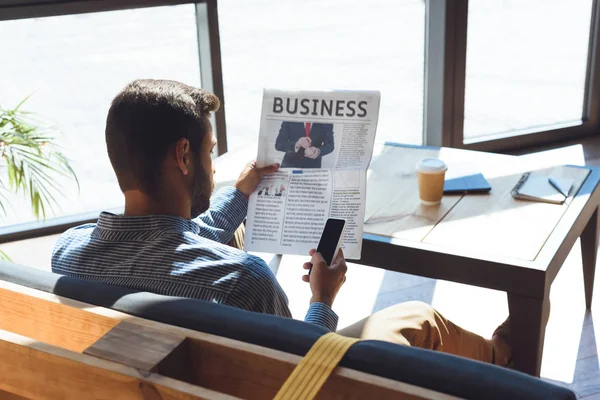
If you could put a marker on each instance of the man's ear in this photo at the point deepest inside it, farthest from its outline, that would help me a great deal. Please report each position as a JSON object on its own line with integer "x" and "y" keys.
{"x": 183, "y": 156}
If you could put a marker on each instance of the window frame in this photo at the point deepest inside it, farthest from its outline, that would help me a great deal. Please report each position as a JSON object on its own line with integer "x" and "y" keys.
{"x": 444, "y": 82}
{"x": 207, "y": 26}
{"x": 211, "y": 78}
{"x": 446, "y": 27}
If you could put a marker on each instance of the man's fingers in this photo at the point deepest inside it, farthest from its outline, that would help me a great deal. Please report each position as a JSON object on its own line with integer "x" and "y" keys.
{"x": 307, "y": 265}
{"x": 311, "y": 252}
{"x": 340, "y": 255}
{"x": 269, "y": 169}
{"x": 317, "y": 258}
{"x": 305, "y": 278}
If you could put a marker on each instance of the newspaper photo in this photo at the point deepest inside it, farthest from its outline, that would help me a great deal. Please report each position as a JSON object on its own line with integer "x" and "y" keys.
{"x": 323, "y": 142}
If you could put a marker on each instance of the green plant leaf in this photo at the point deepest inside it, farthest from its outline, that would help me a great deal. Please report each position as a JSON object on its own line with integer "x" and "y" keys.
{"x": 4, "y": 256}
{"x": 22, "y": 102}
{"x": 3, "y": 198}
{"x": 32, "y": 158}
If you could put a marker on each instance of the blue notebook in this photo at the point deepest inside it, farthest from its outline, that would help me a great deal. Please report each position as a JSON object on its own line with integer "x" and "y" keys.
{"x": 475, "y": 183}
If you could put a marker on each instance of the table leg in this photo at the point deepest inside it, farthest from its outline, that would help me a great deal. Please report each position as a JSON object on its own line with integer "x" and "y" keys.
{"x": 589, "y": 251}
{"x": 528, "y": 318}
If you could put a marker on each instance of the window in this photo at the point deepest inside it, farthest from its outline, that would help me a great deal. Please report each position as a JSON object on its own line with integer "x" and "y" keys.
{"x": 498, "y": 74}
{"x": 525, "y": 65}
{"x": 350, "y": 44}
{"x": 74, "y": 65}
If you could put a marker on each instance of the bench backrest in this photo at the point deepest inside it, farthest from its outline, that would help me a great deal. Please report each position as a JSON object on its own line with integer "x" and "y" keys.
{"x": 438, "y": 372}
{"x": 54, "y": 347}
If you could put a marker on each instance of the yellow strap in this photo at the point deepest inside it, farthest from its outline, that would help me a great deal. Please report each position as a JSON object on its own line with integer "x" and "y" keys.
{"x": 311, "y": 373}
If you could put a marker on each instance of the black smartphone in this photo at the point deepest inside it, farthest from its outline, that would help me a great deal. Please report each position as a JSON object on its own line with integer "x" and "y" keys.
{"x": 330, "y": 241}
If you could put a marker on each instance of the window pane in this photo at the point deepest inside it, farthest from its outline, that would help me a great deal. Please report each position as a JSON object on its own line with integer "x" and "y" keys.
{"x": 526, "y": 64}
{"x": 323, "y": 44}
{"x": 74, "y": 66}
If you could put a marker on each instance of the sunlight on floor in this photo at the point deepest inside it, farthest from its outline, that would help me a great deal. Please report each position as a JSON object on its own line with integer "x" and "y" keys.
{"x": 567, "y": 309}
{"x": 476, "y": 309}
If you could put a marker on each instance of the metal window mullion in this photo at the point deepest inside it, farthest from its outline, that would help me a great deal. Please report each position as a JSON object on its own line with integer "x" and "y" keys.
{"x": 445, "y": 60}
{"x": 591, "y": 107}
{"x": 211, "y": 72}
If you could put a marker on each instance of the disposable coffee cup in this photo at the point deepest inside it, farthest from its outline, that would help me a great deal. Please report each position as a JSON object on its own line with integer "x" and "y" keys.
{"x": 430, "y": 175}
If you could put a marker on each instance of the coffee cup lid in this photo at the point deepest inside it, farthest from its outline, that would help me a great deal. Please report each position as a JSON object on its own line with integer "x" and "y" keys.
{"x": 431, "y": 165}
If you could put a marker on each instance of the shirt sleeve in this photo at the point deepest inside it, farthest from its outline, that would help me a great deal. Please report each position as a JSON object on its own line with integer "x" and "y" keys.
{"x": 228, "y": 209}
{"x": 259, "y": 291}
{"x": 321, "y": 314}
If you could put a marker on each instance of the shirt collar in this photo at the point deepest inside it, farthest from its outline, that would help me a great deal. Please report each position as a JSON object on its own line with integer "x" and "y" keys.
{"x": 113, "y": 222}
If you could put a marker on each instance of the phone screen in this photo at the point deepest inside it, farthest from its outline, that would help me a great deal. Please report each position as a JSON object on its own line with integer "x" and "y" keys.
{"x": 331, "y": 238}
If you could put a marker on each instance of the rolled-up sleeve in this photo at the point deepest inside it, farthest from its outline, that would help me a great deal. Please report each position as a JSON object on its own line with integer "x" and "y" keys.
{"x": 228, "y": 209}
{"x": 259, "y": 291}
{"x": 321, "y": 314}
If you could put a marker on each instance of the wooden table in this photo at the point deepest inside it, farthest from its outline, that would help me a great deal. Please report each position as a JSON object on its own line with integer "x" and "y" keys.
{"x": 492, "y": 241}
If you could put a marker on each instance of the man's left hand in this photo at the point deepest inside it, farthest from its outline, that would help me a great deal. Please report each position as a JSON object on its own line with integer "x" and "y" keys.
{"x": 250, "y": 177}
{"x": 312, "y": 152}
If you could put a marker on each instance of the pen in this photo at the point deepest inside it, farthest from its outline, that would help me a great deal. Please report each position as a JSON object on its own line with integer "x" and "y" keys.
{"x": 557, "y": 187}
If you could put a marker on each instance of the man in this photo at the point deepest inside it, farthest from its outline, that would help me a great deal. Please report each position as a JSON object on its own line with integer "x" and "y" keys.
{"x": 304, "y": 144}
{"x": 171, "y": 237}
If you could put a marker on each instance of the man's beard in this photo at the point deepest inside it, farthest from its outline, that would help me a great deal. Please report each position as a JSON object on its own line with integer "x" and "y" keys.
{"x": 200, "y": 191}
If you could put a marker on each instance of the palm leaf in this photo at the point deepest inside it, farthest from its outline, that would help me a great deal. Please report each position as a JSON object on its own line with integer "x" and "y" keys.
{"x": 33, "y": 161}
{"x": 3, "y": 198}
{"x": 22, "y": 102}
{"x": 4, "y": 256}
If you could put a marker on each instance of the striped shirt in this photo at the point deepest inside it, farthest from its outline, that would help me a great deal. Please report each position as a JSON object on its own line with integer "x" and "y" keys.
{"x": 175, "y": 256}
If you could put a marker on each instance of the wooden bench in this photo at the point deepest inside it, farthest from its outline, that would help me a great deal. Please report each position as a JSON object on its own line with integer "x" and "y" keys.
{"x": 53, "y": 347}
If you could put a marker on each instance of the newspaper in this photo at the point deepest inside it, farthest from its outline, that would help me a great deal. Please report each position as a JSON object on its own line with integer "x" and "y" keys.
{"x": 323, "y": 142}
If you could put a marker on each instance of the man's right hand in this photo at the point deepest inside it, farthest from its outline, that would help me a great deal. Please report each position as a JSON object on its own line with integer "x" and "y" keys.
{"x": 303, "y": 142}
{"x": 325, "y": 281}
{"x": 250, "y": 177}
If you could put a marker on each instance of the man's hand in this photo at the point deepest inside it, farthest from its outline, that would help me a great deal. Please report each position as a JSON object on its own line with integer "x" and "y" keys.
{"x": 312, "y": 152}
{"x": 325, "y": 281}
{"x": 304, "y": 142}
{"x": 250, "y": 177}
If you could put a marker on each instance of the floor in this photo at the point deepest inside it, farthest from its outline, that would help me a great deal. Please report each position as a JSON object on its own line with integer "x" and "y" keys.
{"x": 572, "y": 343}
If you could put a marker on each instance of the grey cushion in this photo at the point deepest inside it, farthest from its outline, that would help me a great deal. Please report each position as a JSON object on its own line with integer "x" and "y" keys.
{"x": 437, "y": 371}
